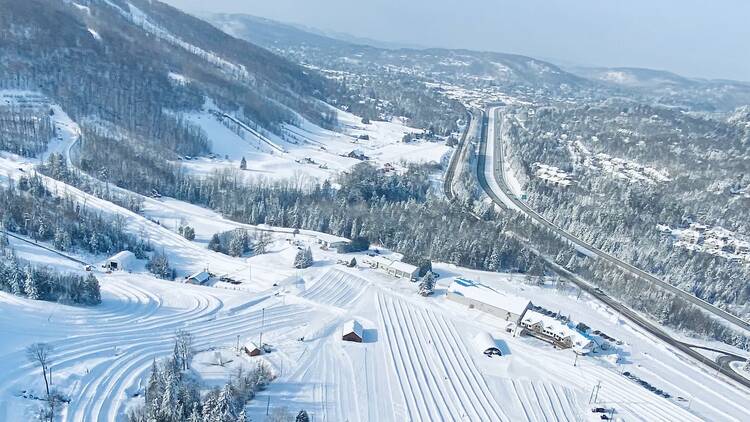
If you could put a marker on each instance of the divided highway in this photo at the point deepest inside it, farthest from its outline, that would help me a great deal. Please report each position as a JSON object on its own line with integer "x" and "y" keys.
{"x": 495, "y": 180}
{"x": 497, "y": 189}
{"x": 450, "y": 174}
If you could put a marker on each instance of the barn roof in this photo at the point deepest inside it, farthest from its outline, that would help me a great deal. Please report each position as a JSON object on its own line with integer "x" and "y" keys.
{"x": 481, "y": 293}
{"x": 352, "y": 326}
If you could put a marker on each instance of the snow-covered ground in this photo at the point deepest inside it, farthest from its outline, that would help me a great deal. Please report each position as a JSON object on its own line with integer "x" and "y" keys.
{"x": 308, "y": 150}
{"x": 417, "y": 362}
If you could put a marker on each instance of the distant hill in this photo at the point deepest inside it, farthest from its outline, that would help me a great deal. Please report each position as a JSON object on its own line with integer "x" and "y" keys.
{"x": 127, "y": 61}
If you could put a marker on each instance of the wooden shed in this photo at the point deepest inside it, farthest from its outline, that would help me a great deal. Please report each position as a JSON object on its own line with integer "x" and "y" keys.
{"x": 352, "y": 331}
{"x": 251, "y": 349}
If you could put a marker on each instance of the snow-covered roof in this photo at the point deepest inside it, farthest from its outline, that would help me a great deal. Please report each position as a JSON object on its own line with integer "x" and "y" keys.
{"x": 123, "y": 256}
{"x": 352, "y": 326}
{"x": 485, "y": 341}
{"x": 394, "y": 264}
{"x": 200, "y": 276}
{"x": 581, "y": 343}
{"x": 403, "y": 266}
{"x": 481, "y": 293}
{"x": 329, "y": 238}
{"x": 250, "y": 345}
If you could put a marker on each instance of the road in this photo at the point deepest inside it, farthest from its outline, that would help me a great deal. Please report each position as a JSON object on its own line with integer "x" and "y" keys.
{"x": 40, "y": 245}
{"x": 500, "y": 187}
{"x": 499, "y": 192}
{"x": 450, "y": 174}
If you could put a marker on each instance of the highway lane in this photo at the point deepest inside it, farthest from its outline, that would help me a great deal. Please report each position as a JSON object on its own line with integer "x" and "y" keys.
{"x": 483, "y": 172}
{"x": 450, "y": 174}
{"x": 507, "y": 196}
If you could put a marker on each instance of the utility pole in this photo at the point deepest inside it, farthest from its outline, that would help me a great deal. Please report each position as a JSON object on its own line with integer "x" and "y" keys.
{"x": 268, "y": 404}
{"x": 594, "y": 392}
{"x": 238, "y": 344}
{"x": 262, "y": 326}
{"x": 575, "y": 362}
{"x": 598, "y": 387}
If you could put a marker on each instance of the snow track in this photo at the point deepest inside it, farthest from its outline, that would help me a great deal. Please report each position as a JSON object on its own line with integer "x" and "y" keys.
{"x": 105, "y": 360}
{"x": 336, "y": 288}
{"x": 437, "y": 378}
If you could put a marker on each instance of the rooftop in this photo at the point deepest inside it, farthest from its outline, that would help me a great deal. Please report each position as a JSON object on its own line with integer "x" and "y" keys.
{"x": 481, "y": 293}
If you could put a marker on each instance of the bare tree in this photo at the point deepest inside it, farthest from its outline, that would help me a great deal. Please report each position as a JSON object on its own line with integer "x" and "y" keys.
{"x": 39, "y": 353}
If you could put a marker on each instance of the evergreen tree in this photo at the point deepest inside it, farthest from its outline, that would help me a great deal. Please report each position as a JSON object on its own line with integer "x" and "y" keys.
{"x": 302, "y": 416}
{"x": 243, "y": 164}
{"x": 215, "y": 244}
{"x": 304, "y": 258}
{"x": 427, "y": 284}
{"x": 30, "y": 285}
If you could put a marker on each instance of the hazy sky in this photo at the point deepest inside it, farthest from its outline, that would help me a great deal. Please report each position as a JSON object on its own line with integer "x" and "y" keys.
{"x": 705, "y": 38}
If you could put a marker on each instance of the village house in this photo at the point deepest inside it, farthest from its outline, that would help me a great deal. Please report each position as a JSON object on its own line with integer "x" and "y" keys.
{"x": 556, "y": 332}
{"x": 200, "y": 278}
{"x": 393, "y": 267}
{"x": 328, "y": 241}
{"x": 481, "y": 297}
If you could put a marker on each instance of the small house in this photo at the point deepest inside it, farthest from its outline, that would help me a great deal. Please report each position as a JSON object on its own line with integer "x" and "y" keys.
{"x": 251, "y": 349}
{"x": 394, "y": 267}
{"x": 122, "y": 261}
{"x": 200, "y": 278}
{"x": 328, "y": 241}
{"x": 352, "y": 331}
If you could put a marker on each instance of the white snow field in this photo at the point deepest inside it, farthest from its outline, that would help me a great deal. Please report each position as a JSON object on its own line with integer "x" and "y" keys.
{"x": 323, "y": 148}
{"x": 417, "y": 360}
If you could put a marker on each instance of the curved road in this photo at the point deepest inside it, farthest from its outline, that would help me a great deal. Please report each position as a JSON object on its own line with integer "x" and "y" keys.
{"x": 504, "y": 197}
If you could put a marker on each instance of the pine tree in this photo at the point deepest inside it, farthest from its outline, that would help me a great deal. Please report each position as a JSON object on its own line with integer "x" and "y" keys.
{"x": 16, "y": 284}
{"x": 242, "y": 417}
{"x": 153, "y": 388}
{"x": 303, "y": 259}
{"x": 427, "y": 284}
{"x": 30, "y": 285}
{"x": 215, "y": 243}
{"x": 243, "y": 164}
{"x": 302, "y": 416}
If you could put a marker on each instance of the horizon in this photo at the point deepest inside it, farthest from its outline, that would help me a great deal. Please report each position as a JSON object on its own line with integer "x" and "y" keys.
{"x": 670, "y": 36}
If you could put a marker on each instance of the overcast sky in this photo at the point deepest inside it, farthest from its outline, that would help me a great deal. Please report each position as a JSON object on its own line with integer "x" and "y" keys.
{"x": 704, "y": 38}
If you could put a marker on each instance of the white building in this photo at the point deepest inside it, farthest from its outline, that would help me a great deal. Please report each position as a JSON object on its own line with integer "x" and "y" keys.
{"x": 556, "y": 332}
{"x": 485, "y": 299}
{"x": 329, "y": 241}
{"x": 394, "y": 267}
{"x": 122, "y": 261}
